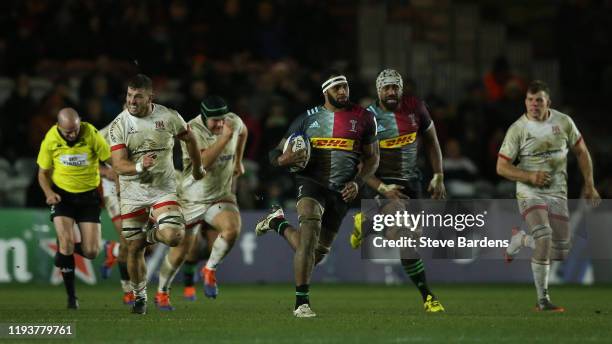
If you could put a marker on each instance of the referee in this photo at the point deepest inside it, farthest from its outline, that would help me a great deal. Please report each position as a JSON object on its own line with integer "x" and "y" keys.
{"x": 69, "y": 176}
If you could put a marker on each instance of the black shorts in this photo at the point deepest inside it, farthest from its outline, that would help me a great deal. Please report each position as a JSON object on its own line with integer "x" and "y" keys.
{"x": 82, "y": 206}
{"x": 335, "y": 207}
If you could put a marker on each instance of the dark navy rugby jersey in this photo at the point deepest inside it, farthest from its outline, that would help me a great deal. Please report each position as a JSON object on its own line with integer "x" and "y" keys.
{"x": 337, "y": 140}
{"x": 398, "y": 132}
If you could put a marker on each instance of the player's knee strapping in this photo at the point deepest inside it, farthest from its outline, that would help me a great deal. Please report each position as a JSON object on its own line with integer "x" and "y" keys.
{"x": 313, "y": 219}
{"x": 132, "y": 233}
{"x": 541, "y": 232}
{"x": 172, "y": 220}
{"x": 560, "y": 249}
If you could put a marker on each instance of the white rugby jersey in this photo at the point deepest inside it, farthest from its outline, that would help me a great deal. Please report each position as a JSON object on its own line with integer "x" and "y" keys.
{"x": 154, "y": 133}
{"x": 217, "y": 183}
{"x": 541, "y": 146}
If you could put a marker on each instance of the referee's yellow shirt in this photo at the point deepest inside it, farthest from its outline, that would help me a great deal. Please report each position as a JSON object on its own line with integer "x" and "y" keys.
{"x": 75, "y": 168}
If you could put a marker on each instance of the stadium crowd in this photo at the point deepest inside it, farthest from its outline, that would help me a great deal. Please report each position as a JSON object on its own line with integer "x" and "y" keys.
{"x": 265, "y": 58}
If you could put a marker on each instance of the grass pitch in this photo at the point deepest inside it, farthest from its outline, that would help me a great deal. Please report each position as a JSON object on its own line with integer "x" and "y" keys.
{"x": 346, "y": 314}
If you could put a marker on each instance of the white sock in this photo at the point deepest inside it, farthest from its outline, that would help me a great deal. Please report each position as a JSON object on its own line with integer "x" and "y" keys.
{"x": 116, "y": 250}
{"x": 126, "y": 286}
{"x": 219, "y": 250}
{"x": 528, "y": 241}
{"x": 139, "y": 289}
{"x": 167, "y": 272}
{"x": 540, "y": 279}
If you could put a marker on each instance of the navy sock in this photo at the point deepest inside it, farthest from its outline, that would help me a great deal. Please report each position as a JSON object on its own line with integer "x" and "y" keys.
{"x": 301, "y": 295}
{"x": 279, "y": 225}
{"x": 188, "y": 273}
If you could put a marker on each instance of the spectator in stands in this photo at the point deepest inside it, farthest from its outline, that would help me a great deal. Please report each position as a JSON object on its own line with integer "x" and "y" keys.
{"x": 460, "y": 172}
{"x": 495, "y": 81}
{"x": 16, "y": 114}
{"x": 197, "y": 89}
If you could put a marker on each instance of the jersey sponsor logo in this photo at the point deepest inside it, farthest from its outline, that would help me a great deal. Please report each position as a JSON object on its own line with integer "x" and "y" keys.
{"x": 398, "y": 141}
{"x": 332, "y": 143}
{"x": 74, "y": 159}
{"x": 314, "y": 124}
{"x": 159, "y": 125}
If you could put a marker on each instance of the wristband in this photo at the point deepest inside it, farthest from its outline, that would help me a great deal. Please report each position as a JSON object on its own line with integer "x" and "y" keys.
{"x": 437, "y": 177}
{"x": 139, "y": 167}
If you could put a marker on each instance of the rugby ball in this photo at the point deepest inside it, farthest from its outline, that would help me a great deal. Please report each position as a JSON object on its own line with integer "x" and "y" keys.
{"x": 300, "y": 141}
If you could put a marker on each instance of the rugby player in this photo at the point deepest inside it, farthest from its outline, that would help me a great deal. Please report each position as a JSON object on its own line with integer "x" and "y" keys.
{"x": 402, "y": 121}
{"x": 221, "y": 136}
{"x": 342, "y": 136}
{"x": 142, "y": 138}
{"x": 540, "y": 140}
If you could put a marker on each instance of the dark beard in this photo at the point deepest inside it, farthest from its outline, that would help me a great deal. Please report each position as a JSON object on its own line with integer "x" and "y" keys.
{"x": 338, "y": 104}
{"x": 390, "y": 106}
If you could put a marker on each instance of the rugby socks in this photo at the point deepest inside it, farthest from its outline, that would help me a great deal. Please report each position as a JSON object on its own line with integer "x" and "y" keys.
{"x": 189, "y": 269}
{"x": 139, "y": 289}
{"x": 540, "y": 279}
{"x": 219, "y": 250}
{"x": 416, "y": 271}
{"x": 279, "y": 225}
{"x": 301, "y": 295}
{"x": 125, "y": 277}
{"x": 66, "y": 266}
{"x": 167, "y": 272}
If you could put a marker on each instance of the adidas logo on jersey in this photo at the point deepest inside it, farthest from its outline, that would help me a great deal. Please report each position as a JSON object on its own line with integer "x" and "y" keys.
{"x": 314, "y": 124}
{"x": 380, "y": 128}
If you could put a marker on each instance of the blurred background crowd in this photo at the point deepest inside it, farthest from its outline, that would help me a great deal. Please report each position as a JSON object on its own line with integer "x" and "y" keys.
{"x": 469, "y": 60}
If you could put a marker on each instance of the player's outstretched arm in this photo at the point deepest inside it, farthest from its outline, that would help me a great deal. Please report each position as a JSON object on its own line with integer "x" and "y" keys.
{"x": 434, "y": 153}
{"x": 586, "y": 168}
{"x": 193, "y": 150}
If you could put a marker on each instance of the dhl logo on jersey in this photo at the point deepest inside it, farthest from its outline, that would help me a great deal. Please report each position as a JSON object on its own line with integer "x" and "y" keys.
{"x": 332, "y": 143}
{"x": 399, "y": 141}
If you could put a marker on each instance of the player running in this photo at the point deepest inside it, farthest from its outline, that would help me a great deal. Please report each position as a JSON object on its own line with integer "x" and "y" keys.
{"x": 221, "y": 136}
{"x": 142, "y": 137}
{"x": 342, "y": 136}
{"x": 402, "y": 119}
{"x": 540, "y": 140}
